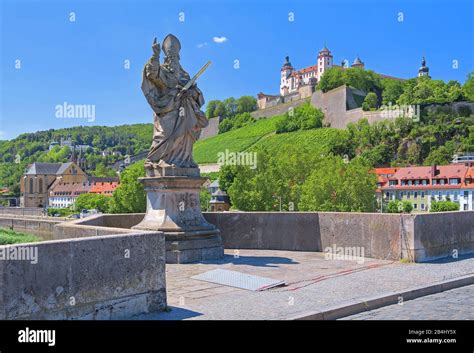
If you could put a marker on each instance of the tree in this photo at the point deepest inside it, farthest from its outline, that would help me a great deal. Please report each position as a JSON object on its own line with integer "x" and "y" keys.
{"x": 230, "y": 106}
{"x": 423, "y": 90}
{"x": 335, "y": 185}
{"x": 444, "y": 206}
{"x": 102, "y": 171}
{"x": 468, "y": 87}
{"x": 240, "y": 120}
{"x": 365, "y": 80}
{"x": 91, "y": 201}
{"x": 204, "y": 198}
{"x": 332, "y": 78}
{"x": 397, "y": 206}
{"x": 130, "y": 196}
{"x": 298, "y": 179}
{"x": 220, "y": 110}
{"x": 246, "y": 104}
{"x": 441, "y": 155}
{"x": 370, "y": 101}
{"x": 393, "y": 206}
{"x": 211, "y": 108}
{"x": 392, "y": 90}
{"x": 413, "y": 154}
{"x": 304, "y": 117}
{"x": 225, "y": 125}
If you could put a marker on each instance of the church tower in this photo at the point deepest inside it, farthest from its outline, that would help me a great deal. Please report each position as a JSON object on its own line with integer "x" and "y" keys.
{"x": 286, "y": 71}
{"x": 324, "y": 61}
{"x": 423, "y": 70}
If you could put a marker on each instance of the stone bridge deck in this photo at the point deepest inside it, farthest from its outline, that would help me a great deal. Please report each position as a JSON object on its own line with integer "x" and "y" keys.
{"x": 313, "y": 283}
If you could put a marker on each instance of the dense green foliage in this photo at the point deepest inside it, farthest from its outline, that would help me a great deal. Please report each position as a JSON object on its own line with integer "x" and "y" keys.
{"x": 230, "y": 107}
{"x": 392, "y": 90}
{"x": 468, "y": 87}
{"x": 8, "y": 236}
{"x": 424, "y": 90}
{"x": 444, "y": 206}
{"x": 399, "y": 206}
{"x": 130, "y": 196}
{"x": 370, "y": 101}
{"x": 236, "y": 122}
{"x": 17, "y": 154}
{"x": 304, "y": 117}
{"x": 91, "y": 201}
{"x": 299, "y": 179}
{"x": 206, "y": 151}
{"x": 60, "y": 212}
{"x": 435, "y": 138}
{"x": 365, "y": 80}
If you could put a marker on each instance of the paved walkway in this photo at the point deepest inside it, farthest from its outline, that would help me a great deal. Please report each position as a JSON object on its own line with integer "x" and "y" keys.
{"x": 312, "y": 283}
{"x": 455, "y": 304}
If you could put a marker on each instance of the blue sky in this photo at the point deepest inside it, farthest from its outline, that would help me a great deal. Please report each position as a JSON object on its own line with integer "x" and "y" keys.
{"x": 82, "y": 62}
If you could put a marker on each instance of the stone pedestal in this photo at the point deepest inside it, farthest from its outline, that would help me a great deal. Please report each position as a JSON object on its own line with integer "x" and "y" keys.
{"x": 173, "y": 207}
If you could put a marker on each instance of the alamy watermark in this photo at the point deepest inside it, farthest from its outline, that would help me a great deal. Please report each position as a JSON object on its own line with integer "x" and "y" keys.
{"x": 75, "y": 111}
{"x": 400, "y": 110}
{"x": 350, "y": 253}
{"x": 237, "y": 158}
{"x": 20, "y": 253}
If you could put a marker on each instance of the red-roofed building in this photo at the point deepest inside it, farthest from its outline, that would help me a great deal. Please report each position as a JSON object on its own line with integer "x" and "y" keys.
{"x": 64, "y": 194}
{"x": 104, "y": 188}
{"x": 424, "y": 184}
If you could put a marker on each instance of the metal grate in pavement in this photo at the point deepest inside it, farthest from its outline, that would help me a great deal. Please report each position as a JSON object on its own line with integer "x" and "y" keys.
{"x": 238, "y": 280}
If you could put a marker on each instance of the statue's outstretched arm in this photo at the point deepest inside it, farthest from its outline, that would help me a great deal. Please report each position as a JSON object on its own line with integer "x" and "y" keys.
{"x": 152, "y": 67}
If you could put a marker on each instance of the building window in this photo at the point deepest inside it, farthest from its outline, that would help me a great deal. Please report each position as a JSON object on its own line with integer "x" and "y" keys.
{"x": 422, "y": 194}
{"x": 31, "y": 185}
{"x": 415, "y": 206}
{"x": 422, "y": 206}
{"x": 40, "y": 185}
{"x": 415, "y": 194}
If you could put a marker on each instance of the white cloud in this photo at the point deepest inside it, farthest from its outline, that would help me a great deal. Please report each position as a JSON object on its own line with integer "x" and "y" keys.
{"x": 219, "y": 39}
{"x": 202, "y": 45}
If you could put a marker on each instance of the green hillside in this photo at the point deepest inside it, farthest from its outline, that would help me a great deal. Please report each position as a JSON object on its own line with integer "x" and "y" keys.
{"x": 262, "y": 135}
{"x": 319, "y": 140}
{"x": 205, "y": 151}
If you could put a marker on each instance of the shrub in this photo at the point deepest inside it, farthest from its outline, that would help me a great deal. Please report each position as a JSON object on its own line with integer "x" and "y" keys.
{"x": 370, "y": 101}
{"x": 397, "y": 206}
{"x": 304, "y": 117}
{"x": 444, "y": 206}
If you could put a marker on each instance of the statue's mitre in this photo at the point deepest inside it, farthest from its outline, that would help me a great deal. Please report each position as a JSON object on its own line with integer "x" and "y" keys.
{"x": 171, "y": 45}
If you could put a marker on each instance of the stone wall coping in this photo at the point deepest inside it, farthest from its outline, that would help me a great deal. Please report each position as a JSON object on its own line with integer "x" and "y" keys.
{"x": 79, "y": 239}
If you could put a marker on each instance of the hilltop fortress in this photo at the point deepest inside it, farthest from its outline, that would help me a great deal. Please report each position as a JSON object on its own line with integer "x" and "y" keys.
{"x": 341, "y": 105}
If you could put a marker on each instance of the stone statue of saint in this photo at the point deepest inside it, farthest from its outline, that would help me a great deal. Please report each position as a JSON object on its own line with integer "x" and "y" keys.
{"x": 178, "y": 119}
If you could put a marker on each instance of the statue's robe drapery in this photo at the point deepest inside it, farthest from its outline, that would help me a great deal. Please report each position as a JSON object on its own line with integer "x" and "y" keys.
{"x": 177, "y": 120}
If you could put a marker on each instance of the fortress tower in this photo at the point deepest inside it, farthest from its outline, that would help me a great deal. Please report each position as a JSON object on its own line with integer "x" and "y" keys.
{"x": 324, "y": 62}
{"x": 286, "y": 71}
